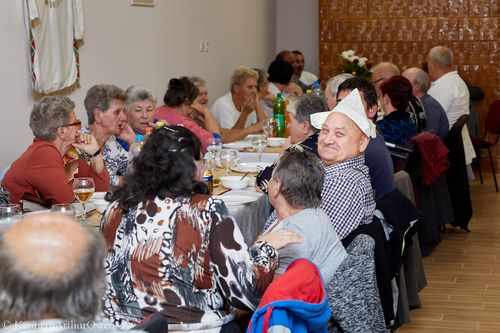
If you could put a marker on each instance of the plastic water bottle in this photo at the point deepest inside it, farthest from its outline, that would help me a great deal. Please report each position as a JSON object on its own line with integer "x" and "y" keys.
{"x": 136, "y": 147}
{"x": 316, "y": 89}
{"x": 279, "y": 114}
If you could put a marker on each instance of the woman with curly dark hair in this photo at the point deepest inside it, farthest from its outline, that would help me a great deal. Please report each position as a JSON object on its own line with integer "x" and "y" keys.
{"x": 174, "y": 251}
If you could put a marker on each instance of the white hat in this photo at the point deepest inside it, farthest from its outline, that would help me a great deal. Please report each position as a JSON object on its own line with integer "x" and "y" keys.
{"x": 352, "y": 107}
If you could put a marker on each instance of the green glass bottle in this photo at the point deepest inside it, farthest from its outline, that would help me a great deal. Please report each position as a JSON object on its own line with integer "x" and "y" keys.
{"x": 279, "y": 116}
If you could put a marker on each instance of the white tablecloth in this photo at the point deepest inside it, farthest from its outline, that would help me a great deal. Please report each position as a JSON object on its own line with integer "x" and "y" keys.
{"x": 250, "y": 217}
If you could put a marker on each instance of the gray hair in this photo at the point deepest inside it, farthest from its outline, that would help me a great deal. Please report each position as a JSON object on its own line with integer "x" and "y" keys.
{"x": 306, "y": 105}
{"x": 197, "y": 81}
{"x": 49, "y": 114}
{"x": 139, "y": 93}
{"x": 301, "y": 176}
{"x": 99, "y": 97}
{"x": 263, "y": 76}
{"x": 333, "y": 84}
{"x": 441, "y": 56}
{"x": 422, "y": 79}
{"x": 75, "y": 295}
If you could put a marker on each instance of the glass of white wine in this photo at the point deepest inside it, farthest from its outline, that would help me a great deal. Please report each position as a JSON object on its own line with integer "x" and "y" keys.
{"x": 228, "y": 159}
{"x": 83, "y": 189}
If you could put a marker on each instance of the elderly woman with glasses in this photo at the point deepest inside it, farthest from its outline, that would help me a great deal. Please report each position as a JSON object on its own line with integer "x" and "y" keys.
{"x": 40, "y": 173}
{"x": 175, "y": 251}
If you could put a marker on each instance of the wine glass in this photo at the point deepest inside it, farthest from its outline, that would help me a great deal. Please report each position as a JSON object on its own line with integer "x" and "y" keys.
{"x": 64, "y": 209}
{"x": 214, "y": 149}
{"x": 9, "y": 214}
{"x": 259, "y": 144}
{"x": 83, "y": 189}
{"x": 228, "y": 159}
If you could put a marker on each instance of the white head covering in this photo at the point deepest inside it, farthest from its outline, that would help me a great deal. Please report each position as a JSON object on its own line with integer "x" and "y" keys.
{"x": 353, "y": 108}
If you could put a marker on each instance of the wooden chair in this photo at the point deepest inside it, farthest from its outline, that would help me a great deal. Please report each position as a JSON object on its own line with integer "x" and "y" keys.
{"x": 491, "y": 128}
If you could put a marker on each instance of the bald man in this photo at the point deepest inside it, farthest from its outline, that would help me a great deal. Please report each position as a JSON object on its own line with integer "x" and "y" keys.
{"x": 434, "y": 112}
{"x": 52, "y": 276}
{"x": 386, "y": 70}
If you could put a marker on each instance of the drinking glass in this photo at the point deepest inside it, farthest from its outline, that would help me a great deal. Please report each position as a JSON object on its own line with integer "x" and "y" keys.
{"x": 259, "y": 144}
{"x": 83, "y": 189}
{"x": 268, "y": 127}
{"x": 214, "y": 148}
{"x": 9, "y": 214}
{"x": 228, "y": 159}
{"x": 64, "y": 209}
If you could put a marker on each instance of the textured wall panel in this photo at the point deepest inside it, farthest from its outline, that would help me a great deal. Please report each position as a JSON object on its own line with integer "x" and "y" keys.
{"x": 404, "y": 31}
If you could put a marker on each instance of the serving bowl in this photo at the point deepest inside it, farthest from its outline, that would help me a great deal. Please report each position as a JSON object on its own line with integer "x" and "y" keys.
{"x": 234, "y": 182}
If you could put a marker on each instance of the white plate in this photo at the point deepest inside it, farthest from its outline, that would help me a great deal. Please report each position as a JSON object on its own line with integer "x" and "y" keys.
{"x": 275, "y": 142}
{"x": 249, "y": 137}
{"x": 251, "y": 166}
{"x": 237, "y": 145}
{"x": 98, "y": 195}
{"x": 236, "y": 199}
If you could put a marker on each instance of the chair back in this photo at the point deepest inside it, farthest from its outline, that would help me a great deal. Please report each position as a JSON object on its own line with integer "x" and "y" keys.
{"x": 353, "y": 294}
{"x": 294, "y": 301}
{"x": 492, "y": 123}
{"x": 156, "y": 322}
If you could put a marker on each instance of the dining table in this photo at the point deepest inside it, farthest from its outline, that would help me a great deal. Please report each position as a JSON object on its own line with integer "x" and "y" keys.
{"x": 249, "y": 207}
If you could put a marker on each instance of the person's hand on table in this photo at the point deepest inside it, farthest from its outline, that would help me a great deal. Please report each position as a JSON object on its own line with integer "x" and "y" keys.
{"x": 280, "y": 238}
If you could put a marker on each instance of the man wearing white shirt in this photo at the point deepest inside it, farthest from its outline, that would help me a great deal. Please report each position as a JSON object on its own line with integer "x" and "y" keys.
{"x": 240, "y": 108}
{"x": 450, "y": 91}
{"x": 305, "y": 77}
{"x": 447, "y": 87}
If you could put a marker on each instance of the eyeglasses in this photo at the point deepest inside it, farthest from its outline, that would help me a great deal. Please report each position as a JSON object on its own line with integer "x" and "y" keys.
{"x": 75, "y": 123}
{"x": 377, "y": 81}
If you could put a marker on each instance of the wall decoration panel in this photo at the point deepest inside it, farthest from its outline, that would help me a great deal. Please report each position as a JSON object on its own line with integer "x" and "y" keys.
{"x": 404, "y": 31}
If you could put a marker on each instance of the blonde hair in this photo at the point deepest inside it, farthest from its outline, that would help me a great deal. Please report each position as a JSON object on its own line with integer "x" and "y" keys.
{"x": 241, "y": 74}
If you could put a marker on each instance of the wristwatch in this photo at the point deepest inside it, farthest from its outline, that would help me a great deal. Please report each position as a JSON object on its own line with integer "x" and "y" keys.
{"x": 96, "y": 153}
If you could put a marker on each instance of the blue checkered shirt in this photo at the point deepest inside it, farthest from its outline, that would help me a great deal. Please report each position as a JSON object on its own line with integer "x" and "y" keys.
{"x": 347, "y": 195}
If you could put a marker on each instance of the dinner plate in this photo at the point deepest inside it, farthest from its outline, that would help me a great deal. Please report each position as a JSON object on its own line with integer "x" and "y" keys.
{"x": 275, "y": 142}
{"x": 249, "y": 137}
{"x": 251, "y": 167}
{"x": 237, "y": 145}
{"x": 98, "y": 195}
{"x": 236, "y": 200}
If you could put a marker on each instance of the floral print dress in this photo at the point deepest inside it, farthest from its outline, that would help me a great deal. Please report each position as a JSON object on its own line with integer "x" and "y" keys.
{"x": 115, "y": 157}
{"x": 184, "y": 257}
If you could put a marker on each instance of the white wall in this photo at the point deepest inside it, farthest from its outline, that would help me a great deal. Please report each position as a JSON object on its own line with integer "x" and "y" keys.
{"x": 297, "y": 28}
{"x": 127, "y": 45}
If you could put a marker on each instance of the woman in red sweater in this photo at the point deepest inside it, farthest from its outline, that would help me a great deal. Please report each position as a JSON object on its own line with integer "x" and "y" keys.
{"x": 41, "y": 174}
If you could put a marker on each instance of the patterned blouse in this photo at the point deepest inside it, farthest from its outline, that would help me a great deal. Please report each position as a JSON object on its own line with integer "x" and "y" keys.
{"x": 115, "y": 157}
{"x": 184, "y": 257}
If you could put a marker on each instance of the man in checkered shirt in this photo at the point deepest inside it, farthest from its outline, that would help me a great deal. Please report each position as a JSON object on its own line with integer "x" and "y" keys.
{"x": 347, "y": 192}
